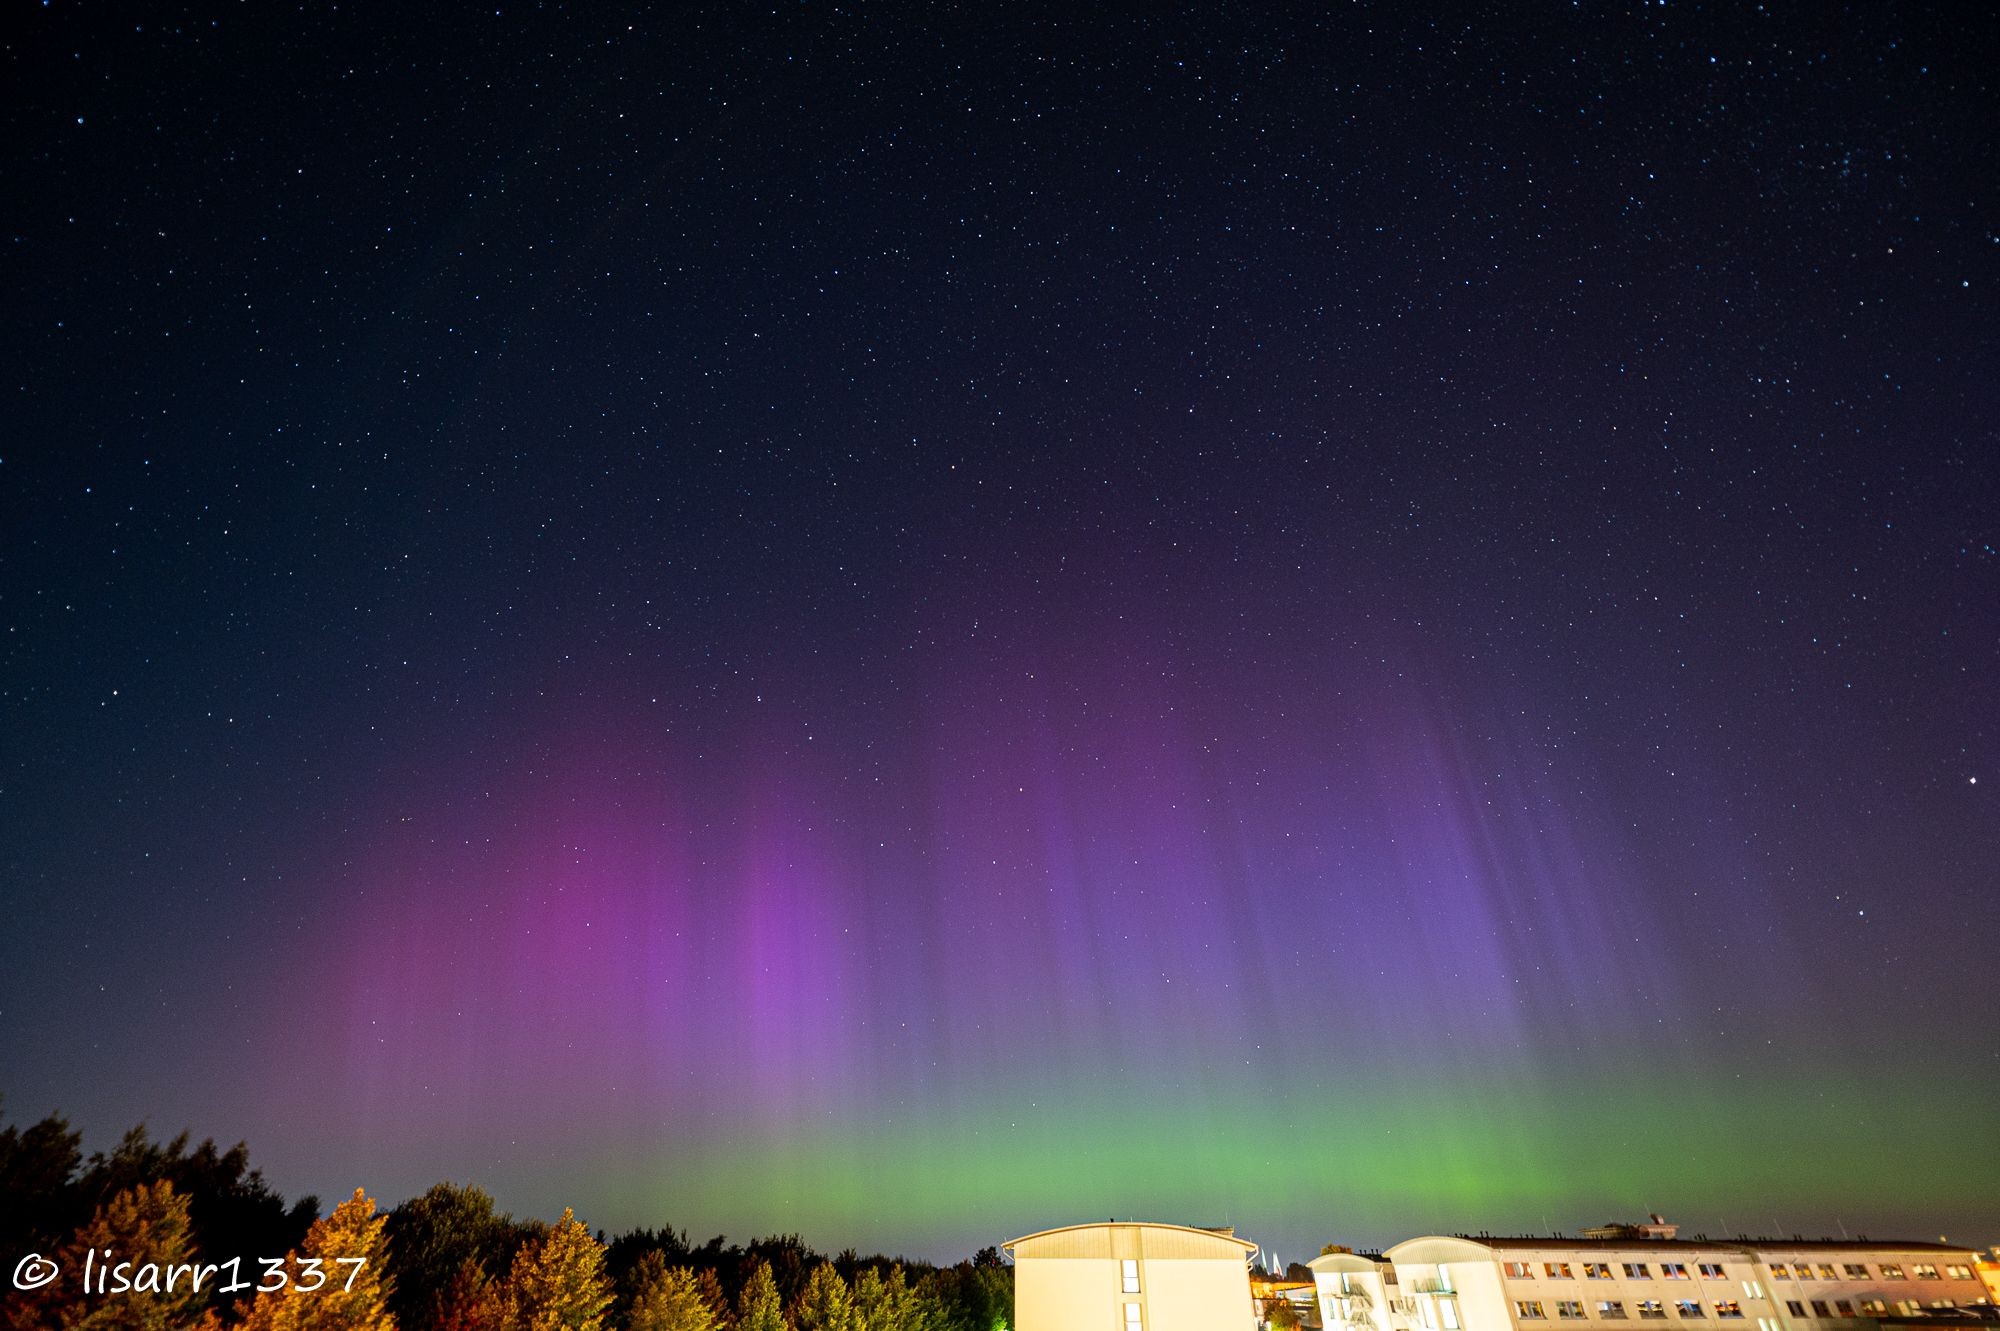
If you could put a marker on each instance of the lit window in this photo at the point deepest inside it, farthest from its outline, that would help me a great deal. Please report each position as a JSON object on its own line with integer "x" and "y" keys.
{"x": 1925, "y": 1271}
{"x": 1560, "y": 1270}
{"x": 1711, "y": 1270}
{"x": 1132, "y": 1322}
{"x": 1959, "y": 1272}
{"x": 1610, "y": 1310}
{"x": 1651, "y": 1308}
{"x": 1891, "y": 1271}
{"x": 1688, "y": 1308}
{"x": 1131, "y": 1273}
{"x": 1674, "y": 1270}
{"x": 1826, "y": 1271}
{"x": 1856, "y": 1271}
{"x": 1597, "y": 1270}
{"x": 1520, "y": 1271}
{"x": 1728, "y": 1309}
{"x": 1529, "y": 1309}
{"x": 1569, "y": 1309}
{"x": 1779, "y": 1271}
{"x": 1875, "y": 1307}
{"x": 1637, "y": 1271}
{"x": 1752, "y": 1290}
{"x": 1448, "y": 1310}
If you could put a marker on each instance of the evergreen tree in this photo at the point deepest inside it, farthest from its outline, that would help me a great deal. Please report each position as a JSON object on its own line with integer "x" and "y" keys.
{"x": 667, "y": 1298}
{"x": 470, "y": 1301}
{"x": 709, "y": 1284}
{"x": 825, "y": 1304}
{"x": 558, "y": 1283}
{"x": 897, "y": 1308}
{"x": 758, "y": 1307}
{"x": 144, "y": 1225}
{"x": 870, "y": 1295}
{"x": 336, "y": 1294}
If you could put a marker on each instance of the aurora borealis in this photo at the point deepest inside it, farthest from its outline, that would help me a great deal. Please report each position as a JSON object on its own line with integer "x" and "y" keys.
{"x": 912, "y": 629}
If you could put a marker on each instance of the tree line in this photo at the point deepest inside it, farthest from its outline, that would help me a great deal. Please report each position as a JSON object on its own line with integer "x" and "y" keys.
{"x": 446, "y": 1260}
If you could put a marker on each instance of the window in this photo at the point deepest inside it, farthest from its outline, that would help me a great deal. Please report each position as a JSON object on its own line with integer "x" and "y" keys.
{"x": 1637, "y": 1271}
{"x": 1842, "y": 1308}
{"x": 1448, "y": 1310}
{"x": 1795, "y": 1308}
{"x": 1520, "y": 1271}
{"x": 1711, "y": 1270}
{"x": 1674, "y": 1270}
{"x": 1752, "y": 1290}
{"x": 1560, "y": 1270}
{"x": 1875, "y": 1307}
{"x": 1891, "y": 1271}
{"x": 1597, "y": 1270}
{"x": 1820, "y": 1309}
{"x": 1132, "y": 1317}
{"x": 1959, "y": 1272}
{"x": 1130, "y": 1269}
{"x": 1688, "y": 1308}
{"x": 1924, "y": 1271}
{"x": 1569, "y": 1310}
{"x": 1779, "y": 1271}
{"x": 1729, "y": 1309}
{"x": 1651, "y": 1308}
{"x": 1529, "y": 1309}
{"x": 1856, "y": 1271}
{"x": 1610, "y": 1310}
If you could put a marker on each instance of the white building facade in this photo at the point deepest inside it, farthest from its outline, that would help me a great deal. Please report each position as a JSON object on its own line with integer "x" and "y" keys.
{"x": 1132, "y": 1277}
{"x": 1539, "y": 1284}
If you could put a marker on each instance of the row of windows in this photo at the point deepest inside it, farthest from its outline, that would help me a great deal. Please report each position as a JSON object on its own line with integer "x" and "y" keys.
{"x": 1613, "y": 1310}
{"x": 1602, "y": 1270}
{"x": 1726, "y": 1310}
{"x": 1714, "y": 1271}
{"x": 1857, "y": 1271}
{"x": 1868, "y": 1307}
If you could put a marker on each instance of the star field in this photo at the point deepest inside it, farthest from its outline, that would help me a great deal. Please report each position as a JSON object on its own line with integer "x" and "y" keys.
{"x": 915, "y": 623}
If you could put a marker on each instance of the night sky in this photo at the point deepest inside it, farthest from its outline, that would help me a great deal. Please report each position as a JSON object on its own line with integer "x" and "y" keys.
{"x": 912, "y": 625}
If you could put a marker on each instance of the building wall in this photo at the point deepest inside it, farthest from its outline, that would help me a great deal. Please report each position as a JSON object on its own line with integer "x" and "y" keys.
{"x": 1072, "y": 1279}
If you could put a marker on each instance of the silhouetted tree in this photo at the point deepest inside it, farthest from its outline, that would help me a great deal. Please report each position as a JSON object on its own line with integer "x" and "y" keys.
{"x": 432, "y": 1237}
{"x": 234, "y": 1213}
{"x": 38, "y": 1202}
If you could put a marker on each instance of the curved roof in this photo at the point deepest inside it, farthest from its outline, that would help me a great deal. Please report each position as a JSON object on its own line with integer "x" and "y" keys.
{"x": 1189, "y": 1237}
{"x": 1439, "y": 1248}
{"x": 1341, "y": 1261}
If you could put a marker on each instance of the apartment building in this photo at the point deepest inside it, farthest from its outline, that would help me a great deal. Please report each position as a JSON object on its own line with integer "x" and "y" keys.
{"x": 1608, "y": 1284}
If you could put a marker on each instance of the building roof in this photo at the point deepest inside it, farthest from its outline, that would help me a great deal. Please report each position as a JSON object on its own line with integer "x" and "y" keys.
{"x": 1738, "y": 1243}
{"x": 1227, "y": 1236}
